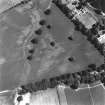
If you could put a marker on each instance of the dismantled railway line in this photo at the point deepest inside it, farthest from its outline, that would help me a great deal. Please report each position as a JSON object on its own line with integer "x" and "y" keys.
{"x": 11, "y": 5}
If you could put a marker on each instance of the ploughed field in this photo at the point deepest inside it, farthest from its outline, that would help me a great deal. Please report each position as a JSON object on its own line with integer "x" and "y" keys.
{"x": 70, "y": 51}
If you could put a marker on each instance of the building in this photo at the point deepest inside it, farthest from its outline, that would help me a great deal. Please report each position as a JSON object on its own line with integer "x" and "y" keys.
{"x": 101, "y": 39}
{"x": 86, "y": 18}
{"x": 84, "y": 14}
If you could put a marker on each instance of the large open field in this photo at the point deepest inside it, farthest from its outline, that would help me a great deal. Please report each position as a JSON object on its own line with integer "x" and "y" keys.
{"x": 47, "y": 61}
{"x": 16, "y": 69}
